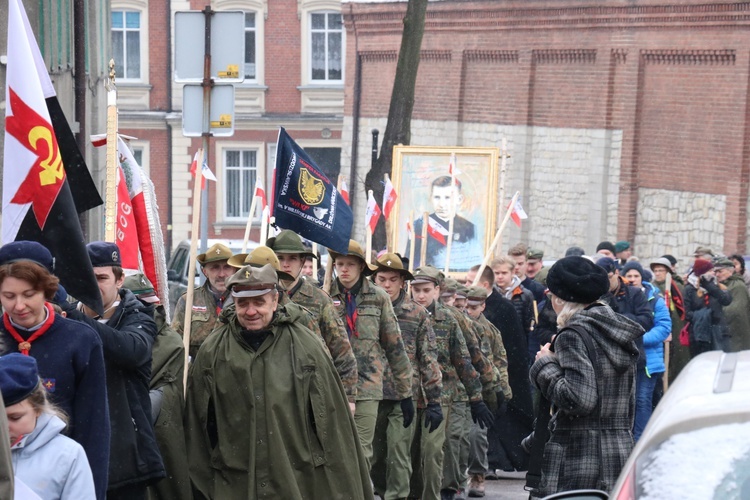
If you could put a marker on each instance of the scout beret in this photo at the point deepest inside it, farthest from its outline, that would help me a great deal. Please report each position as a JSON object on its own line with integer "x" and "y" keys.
{"x": 392, "y": 262}
{"x": 605, "y": 245}
{"x": 18, "y": 377}
{"x": 661, "y": 261}
{"x": 701, "y": 267}
{"x": 462, "y": 292}
{"x": 609, "y": 265}
{"x": 477, "y": 295}
{"x": 141, "y": 287}
{"x": 259, "y": 257}
{"x": 355, "y": 250}
{"x": 535, "y": 253}
{"x": 216, "y": 252}
{"x": 577, "y": 279}
{"x": 252, "y": 281}
{"x": 448, "y": 287}
{"x": 104, "y": 254}
{"x": 621, "y": 246}
{"x": 288, "y": 242}
{"x": 428, "y": 274}
{"x": 27, "y": 250}
{"x": 723, "y": 263}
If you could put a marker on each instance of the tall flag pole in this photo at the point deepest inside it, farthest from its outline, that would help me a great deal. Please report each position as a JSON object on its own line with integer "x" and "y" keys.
{"x": 110, "y": 192}
{"x": 38, "y": 204}
{"x": 498, "y": 234}
{"x": 372, "y": 215}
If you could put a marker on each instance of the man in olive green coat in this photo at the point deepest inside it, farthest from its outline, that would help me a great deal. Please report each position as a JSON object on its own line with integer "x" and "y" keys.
{"x": 738, "y": 312}
{"x": 267, "y": 416}
{"x": 208, "y": 300}
{"x": 166, "y": 392}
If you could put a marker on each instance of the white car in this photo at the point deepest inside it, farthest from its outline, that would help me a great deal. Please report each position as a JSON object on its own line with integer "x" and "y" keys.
{"x": 697, "y": 443}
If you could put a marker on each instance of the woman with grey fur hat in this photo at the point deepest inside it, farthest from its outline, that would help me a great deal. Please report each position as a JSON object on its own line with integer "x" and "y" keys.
{"x": 587, "y": 374}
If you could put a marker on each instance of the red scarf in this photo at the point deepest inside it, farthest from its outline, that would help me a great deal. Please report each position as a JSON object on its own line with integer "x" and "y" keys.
{"x": 25, "y": 345}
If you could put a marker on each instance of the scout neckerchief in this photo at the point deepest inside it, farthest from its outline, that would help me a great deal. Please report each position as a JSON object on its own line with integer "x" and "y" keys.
{"x": 218, "y": 297}
{"x": 350, "y": 301}
{"x": 25, "y": 345}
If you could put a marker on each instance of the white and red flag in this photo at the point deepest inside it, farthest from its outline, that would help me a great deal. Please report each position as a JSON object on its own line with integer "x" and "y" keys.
{"x": 260, "y": 192}
{"x": 38, "y": 202}
{"x": 206, "y": 172}
{"x": 437, "y": 231}
{"x": 518, "y": 213}
{"x": 389, "y": 198}
{"x": 372, "y": 214}
{"x": 344, "y": 192}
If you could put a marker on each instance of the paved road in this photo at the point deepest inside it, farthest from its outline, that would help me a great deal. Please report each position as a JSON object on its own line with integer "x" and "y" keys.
{"x": 507, "y": 489}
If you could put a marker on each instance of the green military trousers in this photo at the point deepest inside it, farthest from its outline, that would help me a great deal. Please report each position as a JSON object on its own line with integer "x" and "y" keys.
{"x": 365, "y": 416}
{"x": 456, "y": 446}
{"x": 390, "y": 468}
{"x": 427, "y": 458}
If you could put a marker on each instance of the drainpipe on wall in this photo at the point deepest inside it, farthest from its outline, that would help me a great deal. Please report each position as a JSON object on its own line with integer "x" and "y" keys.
{"x": 355, "y": 115}
{"x": 79, "y": 87}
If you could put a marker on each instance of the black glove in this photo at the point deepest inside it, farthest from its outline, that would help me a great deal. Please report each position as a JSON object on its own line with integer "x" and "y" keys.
{"x": 407, "y": 408}
{"x": 482, "y": 415}
{"x": 502, "y": 403}
{"x": 433, "y": 416}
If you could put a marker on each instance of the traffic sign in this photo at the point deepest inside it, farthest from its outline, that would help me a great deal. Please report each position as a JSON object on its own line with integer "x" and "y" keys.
{"x": 227, "y": 46}
{"x": 221, "y": 119}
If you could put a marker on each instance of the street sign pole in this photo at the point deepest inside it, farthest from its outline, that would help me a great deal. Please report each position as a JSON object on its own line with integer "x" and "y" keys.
{"x": 206, "y": 132}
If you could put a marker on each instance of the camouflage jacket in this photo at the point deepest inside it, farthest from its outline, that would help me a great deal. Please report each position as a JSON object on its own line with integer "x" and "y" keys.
{"x": 492, "y": 346}
{"x": 419, "y": 341}
{"x": 459, "y": 375}
{"x": 204, "y": 319}
{"x": 377, "y": 339}
{"x": 332, "y": 330}
{"x": 487, "y": 375}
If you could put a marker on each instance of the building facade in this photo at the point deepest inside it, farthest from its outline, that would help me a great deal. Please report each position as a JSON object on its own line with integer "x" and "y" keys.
{"x": 624, "y": 119}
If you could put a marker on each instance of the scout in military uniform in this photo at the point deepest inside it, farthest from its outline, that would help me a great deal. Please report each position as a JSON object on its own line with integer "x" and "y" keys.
{"x": 375, "y": 337}
{"x": 208, "y": 300}
{"x": 391, "y": 463}
{"x": 459, "y": 302}
{"x": 166, "y": 390}
{"x": 267, "y": 416}
{"x": 287, "y": 247}
{"x": 461, "y": 383}
{"x": 457, "y": 439}
{"x": 492, "y": 347}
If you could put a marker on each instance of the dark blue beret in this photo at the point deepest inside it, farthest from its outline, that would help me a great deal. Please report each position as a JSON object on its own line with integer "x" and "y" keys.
{"x": 609, "y": 265}
{"x": 27, "y": 250}
{"x": 18, "y": 377}
{"x": 577, "y": 279}
{"x": 103, "y": 254}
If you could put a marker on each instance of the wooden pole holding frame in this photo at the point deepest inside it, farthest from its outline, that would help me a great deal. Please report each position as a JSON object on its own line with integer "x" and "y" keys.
{"x": 412, "y": 248}
{"x": 423, "y": 248}
{"x": 498, "y": 248}
{"x": 368, "y": 237}
{"x": 488, "y": 256}
{"x": 454, "y": 201}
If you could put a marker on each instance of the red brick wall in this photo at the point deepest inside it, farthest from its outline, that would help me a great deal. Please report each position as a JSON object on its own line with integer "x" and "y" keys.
{"x": 673, "y": 76}
{"x": 159, "y": 55}
{"x": 283, "y": 57}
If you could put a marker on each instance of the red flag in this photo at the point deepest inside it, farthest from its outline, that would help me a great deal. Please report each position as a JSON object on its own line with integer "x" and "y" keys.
{"x": 372, "y": 214}
{"x": 260, "y": 192}
{"x": 38, "y": 204}
{"x": 518, "y": 213}
{"x": 126, "y": 232}
{"x": 452, "y": 170}
{"x": 437, "y": 231}
{"x": 344, "y": 192}
{"x": 206, "y": 172}
{"x": 389, "y": 198}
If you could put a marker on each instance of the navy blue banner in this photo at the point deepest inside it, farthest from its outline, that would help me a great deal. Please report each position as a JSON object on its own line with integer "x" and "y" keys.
{"x": 306, "y": 201}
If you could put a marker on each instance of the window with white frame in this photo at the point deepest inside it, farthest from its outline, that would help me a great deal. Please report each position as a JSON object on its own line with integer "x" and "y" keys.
{"x": 240, "y": 171}
{"x": 326, "y": 47}
{"x": 250, "y": 38}
{"x": 126, "y": 44}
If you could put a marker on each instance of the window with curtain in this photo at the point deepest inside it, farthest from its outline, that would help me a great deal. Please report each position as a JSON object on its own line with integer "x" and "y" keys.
{"x": 240, "y": 171}
{"x": 126, "y": 44}
{"x": 326, "y": 44}
{"x": 250, "y": 32}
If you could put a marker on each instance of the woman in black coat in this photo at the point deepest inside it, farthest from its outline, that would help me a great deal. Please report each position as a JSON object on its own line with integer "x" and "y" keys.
{"x": 588, "y": 375}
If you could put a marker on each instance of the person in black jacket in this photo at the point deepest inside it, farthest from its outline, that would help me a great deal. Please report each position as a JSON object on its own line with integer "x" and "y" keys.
{"x": 704, "y": 300}
{"x": 504, "y": 438}
{"x": 127, "y": 330}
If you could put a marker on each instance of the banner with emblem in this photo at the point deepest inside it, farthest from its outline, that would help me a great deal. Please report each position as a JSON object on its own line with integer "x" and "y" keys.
{"x": 306, "y": 201}
{"x": 37, "y": 201}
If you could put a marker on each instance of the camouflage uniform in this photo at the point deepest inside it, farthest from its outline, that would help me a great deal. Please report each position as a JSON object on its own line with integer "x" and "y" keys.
{"x": 493, "y": 342}
{"x": 377, "y": 339}
{"x": 391, "y": 464}
{"x": 332, "y": 330}
{"x": 206, "y": 310}
{"x": 489, "y": 377}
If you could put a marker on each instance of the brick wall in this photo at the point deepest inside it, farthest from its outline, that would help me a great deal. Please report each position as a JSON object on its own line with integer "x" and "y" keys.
{"x": 660, "y": 88}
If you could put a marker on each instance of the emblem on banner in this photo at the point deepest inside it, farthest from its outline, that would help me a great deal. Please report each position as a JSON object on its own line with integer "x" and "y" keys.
{"x": 311, "y": 189}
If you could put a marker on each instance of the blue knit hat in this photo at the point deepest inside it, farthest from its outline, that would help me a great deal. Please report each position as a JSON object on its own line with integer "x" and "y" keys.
{"x": 18, "y": 377}
{"x": 629, "y": 266}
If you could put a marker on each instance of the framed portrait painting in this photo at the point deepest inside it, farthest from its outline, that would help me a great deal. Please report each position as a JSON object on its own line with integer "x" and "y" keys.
{"x": 422, "y": 178}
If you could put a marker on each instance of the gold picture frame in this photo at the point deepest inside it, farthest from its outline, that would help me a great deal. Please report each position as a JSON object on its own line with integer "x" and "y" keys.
{"x": 419, "y": 179}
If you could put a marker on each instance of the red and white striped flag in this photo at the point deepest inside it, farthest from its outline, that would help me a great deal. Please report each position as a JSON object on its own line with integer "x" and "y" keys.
{"x": 344, "y": 192}
{"x": 389, "y": 198}
{"x": 518, "y": 213}
{"x": 452, "y": 170}
{"x": 205, "y": 171}
{"x": 437, "y": 231}
{"x": 260, "y": 192}
{"x": 372, "y": 214}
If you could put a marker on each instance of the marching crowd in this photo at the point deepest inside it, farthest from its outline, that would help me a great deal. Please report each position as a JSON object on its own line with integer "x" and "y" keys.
{"x": 396, "y": 383}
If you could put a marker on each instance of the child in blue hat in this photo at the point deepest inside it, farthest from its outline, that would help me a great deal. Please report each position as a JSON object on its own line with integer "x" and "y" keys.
{"x": 51, "y": 464}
